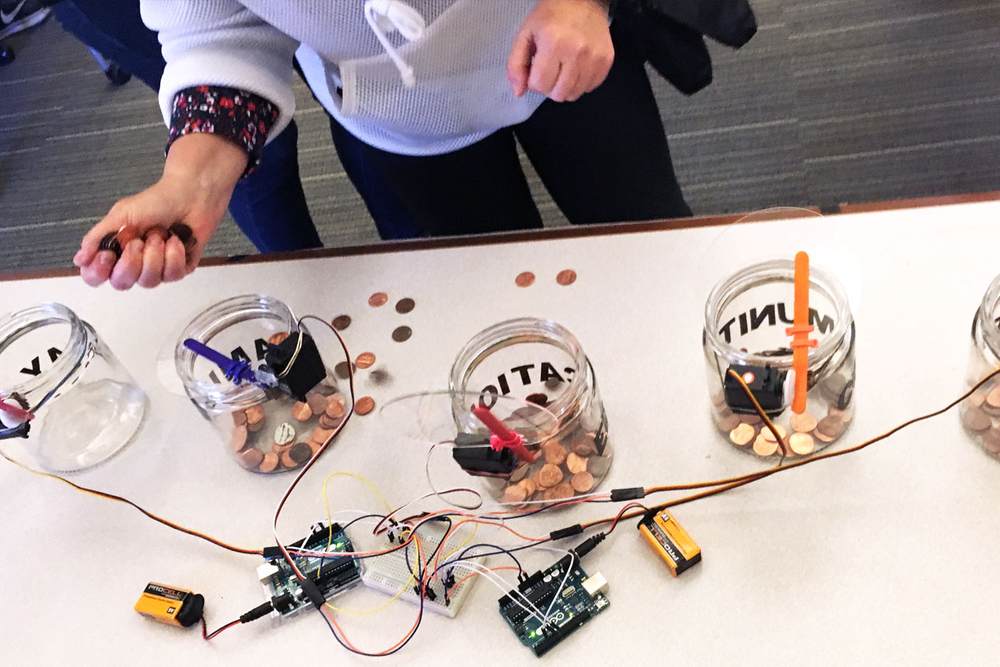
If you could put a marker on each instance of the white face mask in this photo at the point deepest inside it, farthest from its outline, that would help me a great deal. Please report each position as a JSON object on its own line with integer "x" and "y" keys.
{"x": 388, "y": 16}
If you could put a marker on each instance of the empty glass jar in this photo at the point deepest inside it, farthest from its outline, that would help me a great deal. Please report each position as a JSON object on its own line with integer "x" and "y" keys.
{"x": 265, "y": 431}
{"x": 980, "y": 413}
{"x": 561, "y": 417}
{"x": 86, "y": 406}
{"x": 746, "y": 317}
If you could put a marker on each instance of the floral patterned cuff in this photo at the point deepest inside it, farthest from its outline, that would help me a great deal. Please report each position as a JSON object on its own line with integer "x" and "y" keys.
{"x": 237, "y": 115}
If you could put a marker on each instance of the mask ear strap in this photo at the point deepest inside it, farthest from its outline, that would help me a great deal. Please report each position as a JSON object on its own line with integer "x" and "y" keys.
{"x": 799, "y": 332}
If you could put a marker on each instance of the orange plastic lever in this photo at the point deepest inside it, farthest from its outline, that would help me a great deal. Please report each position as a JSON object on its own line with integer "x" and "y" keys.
{"x": 799, "y": 332}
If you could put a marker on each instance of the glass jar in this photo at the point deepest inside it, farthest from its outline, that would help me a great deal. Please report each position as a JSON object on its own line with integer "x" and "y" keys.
{"x": 980, "y": 413}
{"x": 746, "y": 317}
{"x": 264, "y": 431}
{"x": 565, "y": 427}
{"x": 86, "y": 406}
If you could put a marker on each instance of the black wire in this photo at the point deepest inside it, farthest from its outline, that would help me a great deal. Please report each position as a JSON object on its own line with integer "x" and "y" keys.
{"x": 500, "y": 549}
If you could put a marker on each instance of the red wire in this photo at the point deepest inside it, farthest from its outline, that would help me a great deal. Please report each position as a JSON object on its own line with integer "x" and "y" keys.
{"x": 209, "y": 636}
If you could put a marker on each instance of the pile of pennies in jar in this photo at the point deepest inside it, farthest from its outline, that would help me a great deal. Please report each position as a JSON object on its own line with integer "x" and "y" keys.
{"x": 981, "y": 417}
{"x": 821, "y": 424}
{"x": 567, "y": 465}
{"x": 283, "y": 434}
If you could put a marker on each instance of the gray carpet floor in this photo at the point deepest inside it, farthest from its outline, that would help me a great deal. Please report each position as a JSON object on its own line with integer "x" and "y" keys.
{"x": 833, "y": 101}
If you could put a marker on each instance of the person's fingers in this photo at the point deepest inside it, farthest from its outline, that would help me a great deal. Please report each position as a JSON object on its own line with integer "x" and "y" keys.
{"x": 519, "y": 63}
{"x": 174, "y": 266}
{"x": 600, "y": 70}
{"x": 153, "y": 259}
{"x": 567, "y": 87}
{"x": 98, "y": 269}
{"x": 544, "y": 73}
{"x": 128, "y": 267}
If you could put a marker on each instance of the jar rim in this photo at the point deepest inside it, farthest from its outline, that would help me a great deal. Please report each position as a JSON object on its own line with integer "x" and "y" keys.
{"x": 512, "y": 332}
{"x": 209, "y": 322}
{"x": 987, "y": 323}
{"x": 22, "y": 322}
{"x": 771, "y": 271}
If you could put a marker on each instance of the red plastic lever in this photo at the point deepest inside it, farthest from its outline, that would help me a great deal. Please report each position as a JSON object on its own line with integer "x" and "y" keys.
{"x": 16, "y": 411}
{"x": 502, "y": 437}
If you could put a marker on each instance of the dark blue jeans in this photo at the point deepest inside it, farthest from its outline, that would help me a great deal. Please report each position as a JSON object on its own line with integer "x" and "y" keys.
{"x": 268, "y": 205}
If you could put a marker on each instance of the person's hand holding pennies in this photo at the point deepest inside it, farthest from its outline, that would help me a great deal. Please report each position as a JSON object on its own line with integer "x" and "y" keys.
{"x": 169, "y": 223}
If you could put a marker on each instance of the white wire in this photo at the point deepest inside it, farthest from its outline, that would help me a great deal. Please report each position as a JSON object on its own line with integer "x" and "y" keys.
{"x": 562, "y": 585}
{"x": 434, "y": 491}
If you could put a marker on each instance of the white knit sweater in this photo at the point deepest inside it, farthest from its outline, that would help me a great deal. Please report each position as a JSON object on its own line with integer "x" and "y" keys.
{"x": 461, "y": 93}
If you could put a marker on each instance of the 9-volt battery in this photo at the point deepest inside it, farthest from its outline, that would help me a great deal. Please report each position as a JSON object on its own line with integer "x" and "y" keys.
{"x": 670, "y": 541}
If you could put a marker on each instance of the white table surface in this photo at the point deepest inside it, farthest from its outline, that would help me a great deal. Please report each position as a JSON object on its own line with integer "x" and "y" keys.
{"x": 891, "y": 555}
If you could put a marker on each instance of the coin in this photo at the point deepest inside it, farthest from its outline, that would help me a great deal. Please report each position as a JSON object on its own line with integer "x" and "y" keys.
{"x": 803, "y": 423}
{"x": 405, "y": 305}
{"x": 525, "y": 279}
{"x": 239, "y": 418}
{"x": 576, "y": 463}
{"x": 584, "y": 445}
{"x": 993, "y": 397}
{"x": 976, "y": 420}
{"x": 251, "y": 458}
{"x": 845, "y": 415}
{"x": 328, "y": 422}
{"x": 718, "y": 398}
{"x": 823, "y": 438}
{"x": 300, "y": 452}
{"x": 184, "y": 233}
{"x": 753, "y": 420}
{"x": 554, "y": 452}
{"x": 802, "y": 444}
{"x": 726, "y": 420}
{"x": 764, "y": 447}
{"x": 341, "y": 322}
{"x": 537, "y": 399}
{"x": 598, "y": 465}
{"x": 519, "y": 473}
{"x": 110, "y": 242}
{"x": 336, "y": 407}
{"x": 320, "y": 435}
{"x": 255, "y": 418}
{"x": 286, "y": 458}
{"x": 284, "y": 434}
{"x": 514, "y": 494}
{"x": 991, "y": 441}
{"x": 365, "y": 360}
{"x": 831, "y": 426}
{"x": 402, "y": 334}
{"x": 238, "y": 438}
{"x": 378, "y": 299}
{"x": 317, "y": 402}
{"x": 561, "y": 492}
{"x": 977, "y": 399}
{"x": 766, "y": 432}
{"x": 343, "y": 370}
{"x": 742, "y": 435}
{"x": 302, "y": 412}
{"x": 269, "y": 463}
{"x": 529, "y": 486}
{"x": 549, "y": 476}
{"x": 566, "y": 277}
{"x": 277, "y": 338}
{"x": 582, "y": 482}
{"x": 364, "y": 405}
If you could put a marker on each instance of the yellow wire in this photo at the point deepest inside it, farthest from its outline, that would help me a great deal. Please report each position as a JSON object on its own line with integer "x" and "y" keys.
{"x": 371, "y": 611}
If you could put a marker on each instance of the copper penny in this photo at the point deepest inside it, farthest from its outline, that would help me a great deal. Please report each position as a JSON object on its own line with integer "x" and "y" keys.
{"x": 993, "y": 397}
{"x": 341, "y": 322}
{"x": 766, "y": 432}
{"x": 336, "y": 407}
{"x": 764, "y": 447}
{"x": 378, "y": 299}
{"x": 286, "y": 458}
{"x": 802, "y": 444}
{"x": 843, "y": 415}
{"x": 405, "y": 305}
{"x": 514, "y": 494}
{"x": 342, "y": 370}
{"x": 753, "y": 420}
{"x": 726, "y": 420}
{"x": 302, "y": 412}
{"x": 284, "y": 434}
{"x": 251, "y": 458}
{"x": 582, "y": 482}
{"x": 238, "y": 438}
{"x": 529, "y": 486}
{"x": 255, "y": 418}
{"x": 566, "y": 277}
{"x": 364, "y": 405}
{"x": 328, "y": 422}
{"x": 991, "y": 441}
{"x": 561, "y": 492}
{"x": 300, "y": 452}
{"x": 365, "y": 360}
{"x": 977, "y": 399}
{"x": 317, "y": 403}
{"x": 525, "y": 279}
{"x": 554, "y": 452}
{"x": 576, "y": 463}
{"x": 278, "y": 338}
{"x": 239, "y": 418}
{"x": 126, "y": 234}
{"x": 976, "y": 420}
{"x": 831, "y": 426}
{"x": 320, "y": 435}
{"x": 519, "y": 473}
{"x": 537, "y": 399}
{"x": 549, "y": 476}
{"x": 402, "y": 334}
{"x": 584, "y": 445}
{"x": 269, "y": 463}
{"x": 803, "y": 423}
{"x": 742, "y": 435}
{"x": 823, "y": 438}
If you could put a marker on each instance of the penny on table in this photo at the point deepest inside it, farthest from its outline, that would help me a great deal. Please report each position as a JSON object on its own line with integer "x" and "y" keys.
{"x": 365, "y": 360}
{"x": 566, "y": 277}
{"x": 342, "y": 370}
{"x": 405, "y": 305}
{"x": 402, "y": 334}
{"x": 378, "y": 299}
{"x": 341, "y": 322}
{"x": 364, "y": 405}
{"x": 525, "y": 279}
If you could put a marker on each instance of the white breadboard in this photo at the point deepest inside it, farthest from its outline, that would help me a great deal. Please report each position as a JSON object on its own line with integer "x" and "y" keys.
{"x": 390, "y": 573}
